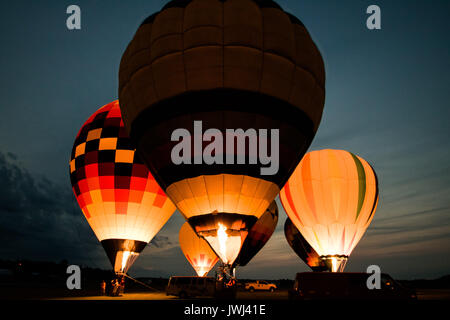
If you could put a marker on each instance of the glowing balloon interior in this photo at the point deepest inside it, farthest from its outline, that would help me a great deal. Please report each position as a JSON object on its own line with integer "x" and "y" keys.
{"x": 118, "y": 196}
{"x": 331, "y": 198}
{"x": 196, "y": 250}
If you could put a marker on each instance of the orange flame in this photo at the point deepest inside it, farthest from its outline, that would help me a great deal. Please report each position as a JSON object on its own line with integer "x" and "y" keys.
{"x": 222, "y": 238}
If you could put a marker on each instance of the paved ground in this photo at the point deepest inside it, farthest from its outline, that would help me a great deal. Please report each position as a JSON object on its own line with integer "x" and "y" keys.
{"x": 126, "y": 296}
{"x": 428, "y": 294}
{"x": 278, "y": 295}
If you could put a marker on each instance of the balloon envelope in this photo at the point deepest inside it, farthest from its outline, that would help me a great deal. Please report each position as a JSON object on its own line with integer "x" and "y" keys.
{"x": 196, "y": 250}
{"x": 244, "y": 66}
{"x": 302, "y": 248}
{"x": 118, "y": 196}
{"x": 331, "y": 198}
{"x": 258, "y": 235}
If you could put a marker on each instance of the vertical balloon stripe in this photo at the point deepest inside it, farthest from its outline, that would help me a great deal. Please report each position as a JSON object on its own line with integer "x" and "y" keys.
{"x": 343, "y": 239}
{"x": 318, "y": 241}
{"x": 288, "y": 195}
{"x": 189, "y": 259}
{"x": 335, "y": 172}
{"x": 351, "y": 245}
{"x": 375, "y": 202}
{"x": 374, "y": 208}
{"x": 361, "y": 183}
{"x": 307, "y": 183}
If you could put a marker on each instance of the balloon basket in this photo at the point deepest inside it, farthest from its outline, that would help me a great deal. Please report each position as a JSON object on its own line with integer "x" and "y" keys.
{"x": 225, "y": 282}
{"x": 334, "y": 263}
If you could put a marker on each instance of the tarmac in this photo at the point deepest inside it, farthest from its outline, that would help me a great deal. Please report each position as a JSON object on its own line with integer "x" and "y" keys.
{"x": 425, "y": 294}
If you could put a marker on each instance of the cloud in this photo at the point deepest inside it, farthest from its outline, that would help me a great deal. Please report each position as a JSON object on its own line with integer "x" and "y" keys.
{"x": 40, "y": 219}
{"x": 22, "y": 193}
{"x": 162, "y": 263}
{"x": 160, "y": 242}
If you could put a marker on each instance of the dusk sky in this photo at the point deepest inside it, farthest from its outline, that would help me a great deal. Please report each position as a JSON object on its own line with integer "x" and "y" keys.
{"x": 387, "y": 94}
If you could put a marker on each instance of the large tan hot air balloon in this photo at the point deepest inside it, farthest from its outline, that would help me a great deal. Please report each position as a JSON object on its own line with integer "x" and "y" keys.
{"x": 119, "y": 197}
{"x": 331, "y": 198}
{"x": 233, "y": 81}
{"x": 197, "y": 251}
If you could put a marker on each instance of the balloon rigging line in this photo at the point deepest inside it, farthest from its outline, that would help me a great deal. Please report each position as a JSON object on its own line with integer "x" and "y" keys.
{"x": 137, "y": 281}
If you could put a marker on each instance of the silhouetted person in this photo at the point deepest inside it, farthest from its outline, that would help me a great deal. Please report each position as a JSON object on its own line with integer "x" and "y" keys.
{"x": 114, "y": 287}
{"x": 103, "y": 288}
{"x": 122, "y": 286}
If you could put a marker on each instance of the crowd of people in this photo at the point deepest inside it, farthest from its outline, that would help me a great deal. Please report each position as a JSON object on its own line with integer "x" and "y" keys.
{"x": 115, "y": 288}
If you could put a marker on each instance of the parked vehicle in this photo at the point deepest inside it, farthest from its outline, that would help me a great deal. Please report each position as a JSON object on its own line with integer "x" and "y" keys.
{"x": 346, "y": 285}
{"x": 260, "y": 285}
{"x": 185, "y": 287}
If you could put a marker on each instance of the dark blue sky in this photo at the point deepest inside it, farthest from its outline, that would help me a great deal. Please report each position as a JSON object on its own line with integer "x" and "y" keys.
{"x": 387, "y": 101}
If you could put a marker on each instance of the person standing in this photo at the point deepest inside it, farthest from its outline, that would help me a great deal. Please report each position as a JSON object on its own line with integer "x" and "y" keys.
{"x": 114, "y": 287}
{"x": 122, "y": 286}
{"x": 103, "y": 288}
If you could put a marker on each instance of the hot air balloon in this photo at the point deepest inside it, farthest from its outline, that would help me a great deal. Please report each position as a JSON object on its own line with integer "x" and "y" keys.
{"x": 302, "y": 248}
{"x": 331, "y": 198}
{"x": 241, "y": 74}
{"x": 258, "y": 235}
{"x": 197, "y": 251}
{"x": 118, "y": 196}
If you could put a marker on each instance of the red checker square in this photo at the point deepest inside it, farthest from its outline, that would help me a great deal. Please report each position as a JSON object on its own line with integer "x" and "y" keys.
{"x": 83, "y": 186}
{"x": 137, "y": 183}
{"x": 135, "y": 196}
{"x": 91, "y": 158}
{"x": 114, "y": 112}
{"x": 122, "y": 182}
{"x": 108, "y": 195}
{"x": 140, "y": 170}
{"x": 86, "y": 212}
{"x": 87, "y": 198}
{"x": 91, "y": 170}
{"x": 106, "y": 182}
{"x": 121, "y": 195}
{"x": 121, "y": 207}
{"x": 152, "y": 186}
{"x": 159, "y": 200}
{"x": 93, "y": 183}
{"x": 106, "y": 169}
